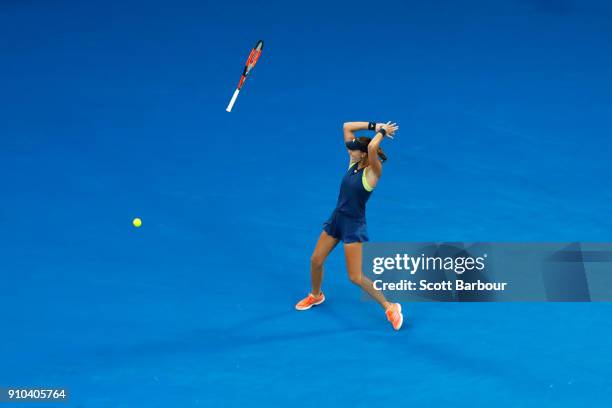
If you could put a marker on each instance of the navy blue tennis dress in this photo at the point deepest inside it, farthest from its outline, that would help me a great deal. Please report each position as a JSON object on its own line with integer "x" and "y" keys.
{"x": 347, "y": 222}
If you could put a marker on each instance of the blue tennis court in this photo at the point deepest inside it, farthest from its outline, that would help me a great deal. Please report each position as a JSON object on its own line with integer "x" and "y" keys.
{"x": 112, "y": 111}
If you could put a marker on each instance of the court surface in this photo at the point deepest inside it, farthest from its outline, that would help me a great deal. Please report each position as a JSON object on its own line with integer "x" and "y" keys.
{"x": 111, "y": 112}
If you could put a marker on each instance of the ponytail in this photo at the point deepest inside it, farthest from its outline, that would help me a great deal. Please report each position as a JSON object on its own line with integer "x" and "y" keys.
{"x": 381, "y": 155}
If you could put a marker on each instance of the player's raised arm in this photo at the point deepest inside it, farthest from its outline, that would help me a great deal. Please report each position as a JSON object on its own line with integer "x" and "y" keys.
{"x": 350, "y": 128}
{"x": 388, "y": 129}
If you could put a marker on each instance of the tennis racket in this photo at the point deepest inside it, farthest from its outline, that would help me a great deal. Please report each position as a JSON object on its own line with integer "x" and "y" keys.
{"x": 250, "y": 64}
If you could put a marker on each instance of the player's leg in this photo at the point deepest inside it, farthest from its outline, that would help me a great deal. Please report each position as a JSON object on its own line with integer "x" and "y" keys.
{"x": 352, "y": 253}
{"x": 325, "y": 245}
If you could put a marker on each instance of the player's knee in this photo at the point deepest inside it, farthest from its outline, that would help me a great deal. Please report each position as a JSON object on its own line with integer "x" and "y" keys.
{"x": 316, "y": 261}
{"x": 355, "y": 278}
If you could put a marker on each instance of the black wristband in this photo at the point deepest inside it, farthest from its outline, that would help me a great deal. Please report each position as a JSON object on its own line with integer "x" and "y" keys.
{"x": 382, "y": 131}
{"x": 371, "y": 125}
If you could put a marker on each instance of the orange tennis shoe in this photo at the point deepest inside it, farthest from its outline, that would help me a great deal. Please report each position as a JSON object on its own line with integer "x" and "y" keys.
{"x": 395, "y": 316}
{"x": 310, "y": 301}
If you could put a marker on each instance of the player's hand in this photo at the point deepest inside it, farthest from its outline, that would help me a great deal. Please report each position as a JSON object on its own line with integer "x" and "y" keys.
{"x": 389, "y": 127}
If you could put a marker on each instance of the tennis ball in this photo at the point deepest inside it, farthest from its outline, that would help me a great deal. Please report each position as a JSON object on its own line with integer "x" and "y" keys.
{"x": 137, "y": 222}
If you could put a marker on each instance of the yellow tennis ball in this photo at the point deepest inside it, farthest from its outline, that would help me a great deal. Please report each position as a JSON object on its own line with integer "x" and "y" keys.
{"x": 137, "y": 222}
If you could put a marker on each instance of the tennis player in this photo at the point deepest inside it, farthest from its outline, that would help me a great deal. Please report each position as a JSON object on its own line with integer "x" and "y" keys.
{"x": 347, "y": 222}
